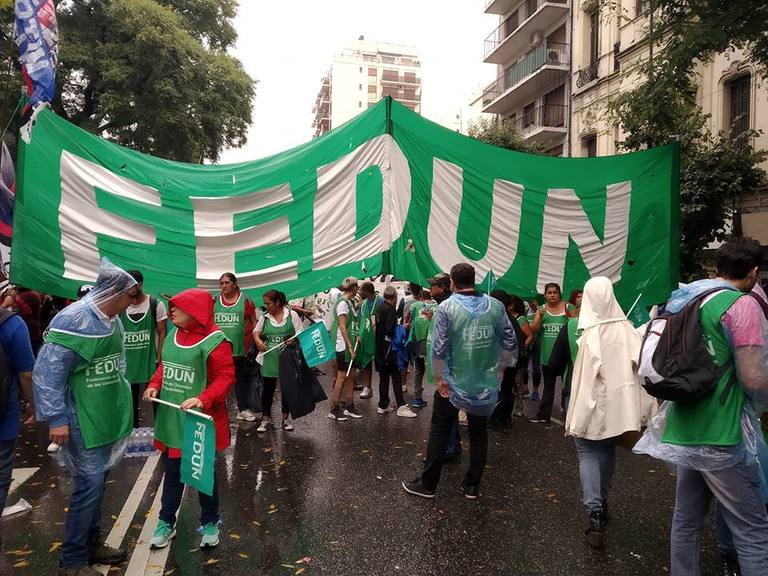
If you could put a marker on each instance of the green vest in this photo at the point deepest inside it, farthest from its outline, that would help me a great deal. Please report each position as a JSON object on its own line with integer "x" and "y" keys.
{"x": 231, "y": 320}
{"x": 140, "y": 347}
{"x": 274, "y": 336}
{"x": 573, "y": 335}
{"x": 102, "y": 394}
{"x": 185, "y": 375}
{"x": 550, "y": 328}
{"x": 353, "y": 324}
{"x": 420, "y": 324}
{"x": 706, "y": 421}
{"x": 367, "y": 349}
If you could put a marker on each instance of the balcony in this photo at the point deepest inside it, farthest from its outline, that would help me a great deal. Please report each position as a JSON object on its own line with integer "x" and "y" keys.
{"x": 514, "y": 34}
{"x": 400, "y": 79}
{"x": 541, "y": 69}
{"x": 544, "y": 124}
{"x": 586, "y": 75}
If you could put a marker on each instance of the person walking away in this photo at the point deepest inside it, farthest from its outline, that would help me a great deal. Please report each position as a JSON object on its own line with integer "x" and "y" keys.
{"x": 16, "y": 370}
{"x": 235, "y": 315}
{"x": 549, "y": 319}
{"x": 386, "y": 359}
{"x": 607, "y": 398}
{"x": 420, "y": 320}
{"x": 472, "y": 340}
{"x": 81, "y": 392}
{"x": 197, "y": 372}
{"x": 344, "y": 333}
{"x": 711, "y": 439}
{"x": 517, "y": 312}
{"x": 502, "y": 414}
{"x": 145, "y": 328}
{"x": 272, "y": 329}
{"x": 368, "y": 310}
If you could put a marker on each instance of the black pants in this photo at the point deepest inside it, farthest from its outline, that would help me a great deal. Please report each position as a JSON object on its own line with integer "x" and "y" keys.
{"x": 137, "y": 388}
{"x": 242, "y": 384}
{"x": 268, "y": 396}
{"x": 444, "y": 414}
{"x": 173, "y": 490}
{"x": 548, "y": 395}
{"x": 389, "y": 371}
{"x": 503, "y": 410}
{"x": 535, "y": 358}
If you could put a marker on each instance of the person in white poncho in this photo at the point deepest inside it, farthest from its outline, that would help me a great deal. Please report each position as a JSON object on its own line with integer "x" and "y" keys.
{"x": 607, "y": 399}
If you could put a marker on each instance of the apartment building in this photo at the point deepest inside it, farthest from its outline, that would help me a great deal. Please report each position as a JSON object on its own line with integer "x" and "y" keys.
{"x": 361, "y": 75}
{"x": 609, "y": 41}
{"x": 531, "y": 48}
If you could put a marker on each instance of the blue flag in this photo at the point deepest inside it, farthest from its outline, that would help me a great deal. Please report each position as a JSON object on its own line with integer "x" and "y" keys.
{"x": 37, "y": 36}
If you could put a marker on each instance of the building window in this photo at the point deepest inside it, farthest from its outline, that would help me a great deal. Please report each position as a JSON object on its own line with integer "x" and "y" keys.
{"x": 642, "y": 7}
{"x": 529, "y": 114}
{"x": 589, "y": 146}
{"x": 510, "y": 24}
{"x": 359, "y": 104}
{"x": 594, "y": 39}
{"x": 361, "y": 69}
{"x": 372, "y": 72}
{"x": 530, "y": 7}
{"x": 739, "y": 95}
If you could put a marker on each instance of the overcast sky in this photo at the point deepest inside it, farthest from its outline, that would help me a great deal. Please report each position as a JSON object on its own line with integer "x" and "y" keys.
{"x": 288, "y": 45}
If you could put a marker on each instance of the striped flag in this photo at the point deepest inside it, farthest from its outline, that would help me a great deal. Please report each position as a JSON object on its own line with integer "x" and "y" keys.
{"x": 7, "y": 194}
{"x": 37, "y": 36}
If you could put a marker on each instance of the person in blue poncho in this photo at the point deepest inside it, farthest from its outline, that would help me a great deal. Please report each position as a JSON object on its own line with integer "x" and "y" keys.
{"x": 81, "y": 391}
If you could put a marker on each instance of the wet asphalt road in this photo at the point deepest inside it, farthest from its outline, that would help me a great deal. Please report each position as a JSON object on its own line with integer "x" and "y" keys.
{"x": 326, "y": 499}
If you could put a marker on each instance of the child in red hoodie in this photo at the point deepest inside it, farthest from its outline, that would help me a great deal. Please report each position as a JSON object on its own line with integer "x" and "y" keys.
{"x": 195, "y": 351}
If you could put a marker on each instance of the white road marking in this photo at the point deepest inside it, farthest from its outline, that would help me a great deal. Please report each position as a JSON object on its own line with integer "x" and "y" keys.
{"x": 137, "y": 565}
{"x": 116, "y": 535}
{"x": 19, "y": 476}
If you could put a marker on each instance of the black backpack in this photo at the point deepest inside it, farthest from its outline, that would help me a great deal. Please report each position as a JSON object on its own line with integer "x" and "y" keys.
{"x": 674, "y": 361}
{"x": 5, "y": 376}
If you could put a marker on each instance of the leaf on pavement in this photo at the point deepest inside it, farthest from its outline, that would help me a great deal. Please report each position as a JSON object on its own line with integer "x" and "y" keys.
{"x": 243, "y": 555}
{"x": 55, "y": 546}
{"x": 300, "y": 570}
{"x": 212, "y": 561}
{"x": 22, "y": 564}
{"x": 235, "y": 536}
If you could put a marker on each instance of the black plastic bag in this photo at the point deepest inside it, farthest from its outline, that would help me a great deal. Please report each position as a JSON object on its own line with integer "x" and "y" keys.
{"x": 298, "y": 384}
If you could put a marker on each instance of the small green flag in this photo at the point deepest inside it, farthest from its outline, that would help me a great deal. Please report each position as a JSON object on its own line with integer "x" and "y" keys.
{"x": 489, "y": 283}
{"x": 316, "y": 344}
{"x": 638, "y": 315}
{"x": 198, "y": 453}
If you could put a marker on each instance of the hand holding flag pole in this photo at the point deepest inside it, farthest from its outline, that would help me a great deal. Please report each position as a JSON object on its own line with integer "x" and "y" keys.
{"x": 178, "y": 407}
{"x": 354, "y": 350}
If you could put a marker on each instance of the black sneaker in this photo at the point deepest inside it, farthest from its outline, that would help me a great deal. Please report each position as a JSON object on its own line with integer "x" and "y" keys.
{"x": 539, "y": 420}
{"x": 470, "y": 492}
{"x": 595, "y": 532}
{"x": 416, "y": 488}
{"x": 336, "y": 414}
{"x": 352, "y": 412}
{"x": 100, "y": 553}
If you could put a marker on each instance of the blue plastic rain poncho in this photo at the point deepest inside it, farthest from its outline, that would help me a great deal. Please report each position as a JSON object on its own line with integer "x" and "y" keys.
{"x": 470, "y": 335}
{"x": 54, "y": 398}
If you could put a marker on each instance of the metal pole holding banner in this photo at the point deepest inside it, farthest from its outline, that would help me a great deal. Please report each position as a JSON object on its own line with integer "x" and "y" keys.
{"x": 349, "y": 368}
{"x": 178, "y": 407}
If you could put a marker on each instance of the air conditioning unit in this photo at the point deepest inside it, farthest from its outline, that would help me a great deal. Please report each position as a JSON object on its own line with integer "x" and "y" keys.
{"x": 553, "y": 57}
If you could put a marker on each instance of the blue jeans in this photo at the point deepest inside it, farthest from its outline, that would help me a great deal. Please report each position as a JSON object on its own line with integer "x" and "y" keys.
{"x": 83, "y": 523}
{"x": 597, "y": 460}
{"x": 737, "y": 489}
{"x": 7, "y": 449}
{"x": 173, "y": 490}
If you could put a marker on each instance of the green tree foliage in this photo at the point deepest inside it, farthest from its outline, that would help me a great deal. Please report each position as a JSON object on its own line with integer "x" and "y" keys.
{"x": 503, "y": 134}
{"x": 717, "y": 168}
{"x": 151, "y": 75}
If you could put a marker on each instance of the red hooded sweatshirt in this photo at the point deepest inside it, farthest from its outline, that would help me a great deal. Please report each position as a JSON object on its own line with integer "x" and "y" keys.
{"x": 221, "y": 370}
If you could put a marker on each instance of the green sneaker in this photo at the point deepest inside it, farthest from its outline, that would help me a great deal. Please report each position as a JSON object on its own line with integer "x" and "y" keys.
{"x": 163, "y": 534}
{"x": 210, "y": 534}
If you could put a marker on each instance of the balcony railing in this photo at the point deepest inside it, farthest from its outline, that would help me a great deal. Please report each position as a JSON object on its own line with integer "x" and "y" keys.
{"x": 513, "y": 22}
{"x": 399, "y": 79}
{"x": 586, "y": 75}
{"x": 552, "y": 53}
{"x": 546, "y": 116}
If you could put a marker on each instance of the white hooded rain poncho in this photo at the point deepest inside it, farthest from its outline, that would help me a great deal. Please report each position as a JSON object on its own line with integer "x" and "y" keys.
{"x": 606, "y": 396}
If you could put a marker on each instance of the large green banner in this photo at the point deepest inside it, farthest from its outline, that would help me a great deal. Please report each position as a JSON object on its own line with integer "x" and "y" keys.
{"x": 388, "y": 192}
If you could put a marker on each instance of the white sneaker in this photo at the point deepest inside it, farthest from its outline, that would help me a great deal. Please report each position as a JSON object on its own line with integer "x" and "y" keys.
{"x": 405, "y": 388}
{"x": 53, "y": 447}
{"x": 287, "y": 426}
{"x": 380, "y": 410}
{"x": 263, "y": 426}
{"x": 405, "y": 412}
{"x": 246, "y": 416}
{"x": 366, "y": 393}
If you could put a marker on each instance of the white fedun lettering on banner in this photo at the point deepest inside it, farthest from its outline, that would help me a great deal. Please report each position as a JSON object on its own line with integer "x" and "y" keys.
{"x": 81, "y": 219}
{"x": 334, "y": 215}
{"x": 317, "y": 340}
{"x": 198, "y": 447}
{"x": 564, "y": 218}
{"x": 504, "y": 234}
{"x": 218, "y": 242}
